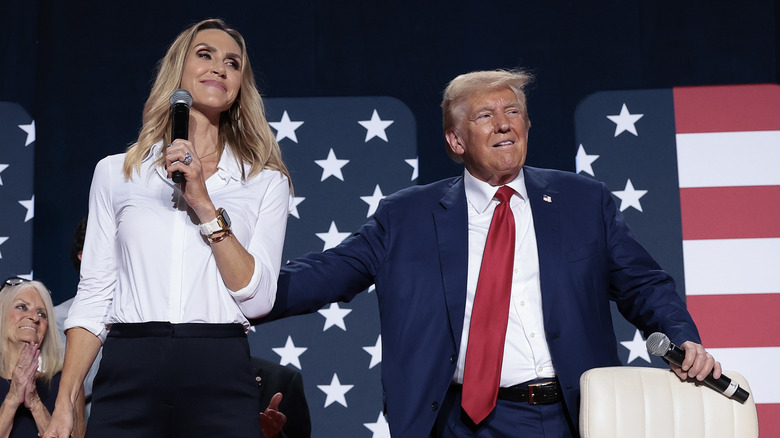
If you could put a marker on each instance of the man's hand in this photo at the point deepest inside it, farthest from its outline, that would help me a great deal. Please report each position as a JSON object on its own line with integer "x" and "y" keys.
{"x": 271, "y": 419}
{"x": 697, "y": 364}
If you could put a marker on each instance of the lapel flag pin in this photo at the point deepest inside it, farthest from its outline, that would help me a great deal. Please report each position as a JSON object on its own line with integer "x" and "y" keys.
{"x": 546, "y": 198}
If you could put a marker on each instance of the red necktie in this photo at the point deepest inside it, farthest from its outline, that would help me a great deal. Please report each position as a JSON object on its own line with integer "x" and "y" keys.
{"x": 490, "y": 314}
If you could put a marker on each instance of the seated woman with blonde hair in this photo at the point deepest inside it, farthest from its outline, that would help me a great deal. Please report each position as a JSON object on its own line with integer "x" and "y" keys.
{"x": 31, "y": 355}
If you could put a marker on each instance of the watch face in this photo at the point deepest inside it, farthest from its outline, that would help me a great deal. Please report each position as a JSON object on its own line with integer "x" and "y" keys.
{"x": 225, "y": 219}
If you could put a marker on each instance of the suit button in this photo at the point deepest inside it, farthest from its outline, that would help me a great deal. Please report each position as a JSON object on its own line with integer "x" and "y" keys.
{"x": 434, "y": 406}
{"x": 453, "y": 358}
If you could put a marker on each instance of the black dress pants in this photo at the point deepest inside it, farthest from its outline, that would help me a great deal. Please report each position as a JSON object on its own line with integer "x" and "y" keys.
{"x": 164, "y": 380}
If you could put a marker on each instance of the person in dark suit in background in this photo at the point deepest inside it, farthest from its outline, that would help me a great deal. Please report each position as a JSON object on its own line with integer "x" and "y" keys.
{"x": 281, "y": 389}
{"x": 565, "y": 253}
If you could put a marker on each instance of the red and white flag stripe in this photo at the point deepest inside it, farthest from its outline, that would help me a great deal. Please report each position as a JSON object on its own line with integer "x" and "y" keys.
{"x": 728, "y": 154}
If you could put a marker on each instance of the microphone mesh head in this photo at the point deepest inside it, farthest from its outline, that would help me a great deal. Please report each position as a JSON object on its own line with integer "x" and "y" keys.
{"x": 658, "y": 344}
{"x": 181, "y": 96}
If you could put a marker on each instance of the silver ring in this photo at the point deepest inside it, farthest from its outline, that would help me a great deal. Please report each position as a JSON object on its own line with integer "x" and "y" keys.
{"x": 187, "y": 159}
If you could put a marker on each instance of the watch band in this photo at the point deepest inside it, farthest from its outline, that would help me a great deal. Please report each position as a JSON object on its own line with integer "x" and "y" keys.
{"x": 219, "y": 223}
{"x": 210, "y": 227}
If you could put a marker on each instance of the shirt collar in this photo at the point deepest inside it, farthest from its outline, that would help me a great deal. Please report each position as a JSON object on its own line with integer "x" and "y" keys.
{"x": 227, "y": 168}
{"x": 479, "y": 193}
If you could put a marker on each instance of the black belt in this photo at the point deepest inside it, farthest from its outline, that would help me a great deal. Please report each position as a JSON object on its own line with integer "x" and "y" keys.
{"x": 541, "y": 393}
{"x": 157, "y": 329}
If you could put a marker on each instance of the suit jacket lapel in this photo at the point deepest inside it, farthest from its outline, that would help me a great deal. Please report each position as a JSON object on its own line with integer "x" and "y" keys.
{"x": 547, "y": 225}
{"x": 451, "y": 221}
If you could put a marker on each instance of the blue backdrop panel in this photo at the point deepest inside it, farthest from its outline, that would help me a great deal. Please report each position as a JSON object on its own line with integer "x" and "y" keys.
{"x": 371, "y": 142}
{"x": 17, "y": 153}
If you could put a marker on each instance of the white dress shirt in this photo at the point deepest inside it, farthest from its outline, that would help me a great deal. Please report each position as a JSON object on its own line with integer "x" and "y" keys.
{"x": 144, "y": 257}
{"x": 526, "y": 355}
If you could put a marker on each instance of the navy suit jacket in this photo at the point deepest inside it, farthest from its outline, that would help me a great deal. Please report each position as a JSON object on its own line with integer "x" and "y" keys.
{"x": 414, "y": 249}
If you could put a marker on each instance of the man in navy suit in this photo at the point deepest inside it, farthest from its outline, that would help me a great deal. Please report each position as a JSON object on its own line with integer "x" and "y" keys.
{"x": 573, "y": 254}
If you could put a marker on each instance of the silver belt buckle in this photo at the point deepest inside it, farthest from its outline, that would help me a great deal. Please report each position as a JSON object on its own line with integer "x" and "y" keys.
{"x": 531, "y": 388}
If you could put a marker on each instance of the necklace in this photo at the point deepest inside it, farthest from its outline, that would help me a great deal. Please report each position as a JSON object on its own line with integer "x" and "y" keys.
{"x": 210, "y": 153}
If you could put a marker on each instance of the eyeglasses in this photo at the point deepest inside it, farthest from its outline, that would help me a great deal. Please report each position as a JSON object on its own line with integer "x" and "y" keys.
{"x": 13, "y": 281}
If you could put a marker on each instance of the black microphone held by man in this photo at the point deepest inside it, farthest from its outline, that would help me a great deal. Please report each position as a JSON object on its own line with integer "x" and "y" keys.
{"x": 181, "y": 101}
{"x": 658, "y": 344}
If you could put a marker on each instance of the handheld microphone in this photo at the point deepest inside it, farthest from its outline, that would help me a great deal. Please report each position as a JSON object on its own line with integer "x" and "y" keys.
{"x": 181, "y": 101}
{"x": 658, "y": 344}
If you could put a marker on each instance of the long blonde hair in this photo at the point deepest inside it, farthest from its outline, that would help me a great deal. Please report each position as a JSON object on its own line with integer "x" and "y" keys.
{"x": 52, "y": 350}
{"x": 243, "y": 127}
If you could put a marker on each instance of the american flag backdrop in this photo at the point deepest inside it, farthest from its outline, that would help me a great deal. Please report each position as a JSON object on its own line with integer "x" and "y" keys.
{"x": 696, "y": 171}
{"x": 344, "y": 155}
{"x": 17, "y": 151}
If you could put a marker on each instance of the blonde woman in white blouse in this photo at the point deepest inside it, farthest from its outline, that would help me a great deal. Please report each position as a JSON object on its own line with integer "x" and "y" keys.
{"x": 171, "y": 272}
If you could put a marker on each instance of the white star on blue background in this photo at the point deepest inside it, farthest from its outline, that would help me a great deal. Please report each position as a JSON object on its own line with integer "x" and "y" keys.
{"x": 286, "y": 128}
{"x": 584, "y": 161}
{"x": 30, "y": 130}
{"x": 625, "y": 121}
{"x": 331, "y": 166}
{"x": 335, "y": 392}
{"x": 290, "y": 354}
{"x": 629, "y": 197}
{"x": 376, "y": 352}
{"x": 637, "y": 348}
{"x": 334, "y": 316}
{"x": 375, "y": 127}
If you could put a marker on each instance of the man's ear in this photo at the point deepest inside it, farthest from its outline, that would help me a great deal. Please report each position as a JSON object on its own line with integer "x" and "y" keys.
{"x": 453, "y": 139}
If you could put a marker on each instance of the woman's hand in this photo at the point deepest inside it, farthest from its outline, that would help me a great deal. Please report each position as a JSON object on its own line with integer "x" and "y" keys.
{"x": 61, "y": 423}
{"x": 181, "y": 156}
{"x": 23, "y": 389}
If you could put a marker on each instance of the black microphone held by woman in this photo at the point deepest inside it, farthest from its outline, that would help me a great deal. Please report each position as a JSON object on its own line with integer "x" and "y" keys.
{"x": 181, "y": 101}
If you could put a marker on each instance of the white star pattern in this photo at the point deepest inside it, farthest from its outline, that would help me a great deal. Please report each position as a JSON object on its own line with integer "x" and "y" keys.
{"x": 334, "y": 315}
{"x": 30, "y": 206}
{"x": 331, "y": 166}
{"x": 380, "y": 429}
{"x": 290, "y": 354}
{"x": 286, "y": 128}
{"x": 373, "y": 200}
{"x": 2, "y": 241}
{"x": 30, "y": 130}
{"x": 637, "y": 348}
{"x": 584, "y": 161}
{"x": 294, "y": 209}
{"x": 375, "y": 127}
{"x": 376, "y": 352}
{"x": 349, "y": 184}
{"x": 335, "y": 392}
{"x": 332, "y": 238}
{"x": 414, "y": 163}
{"x": 629, "y": 197}
{"x": 625, "y": 121}
{"x": 2, "y": 168}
